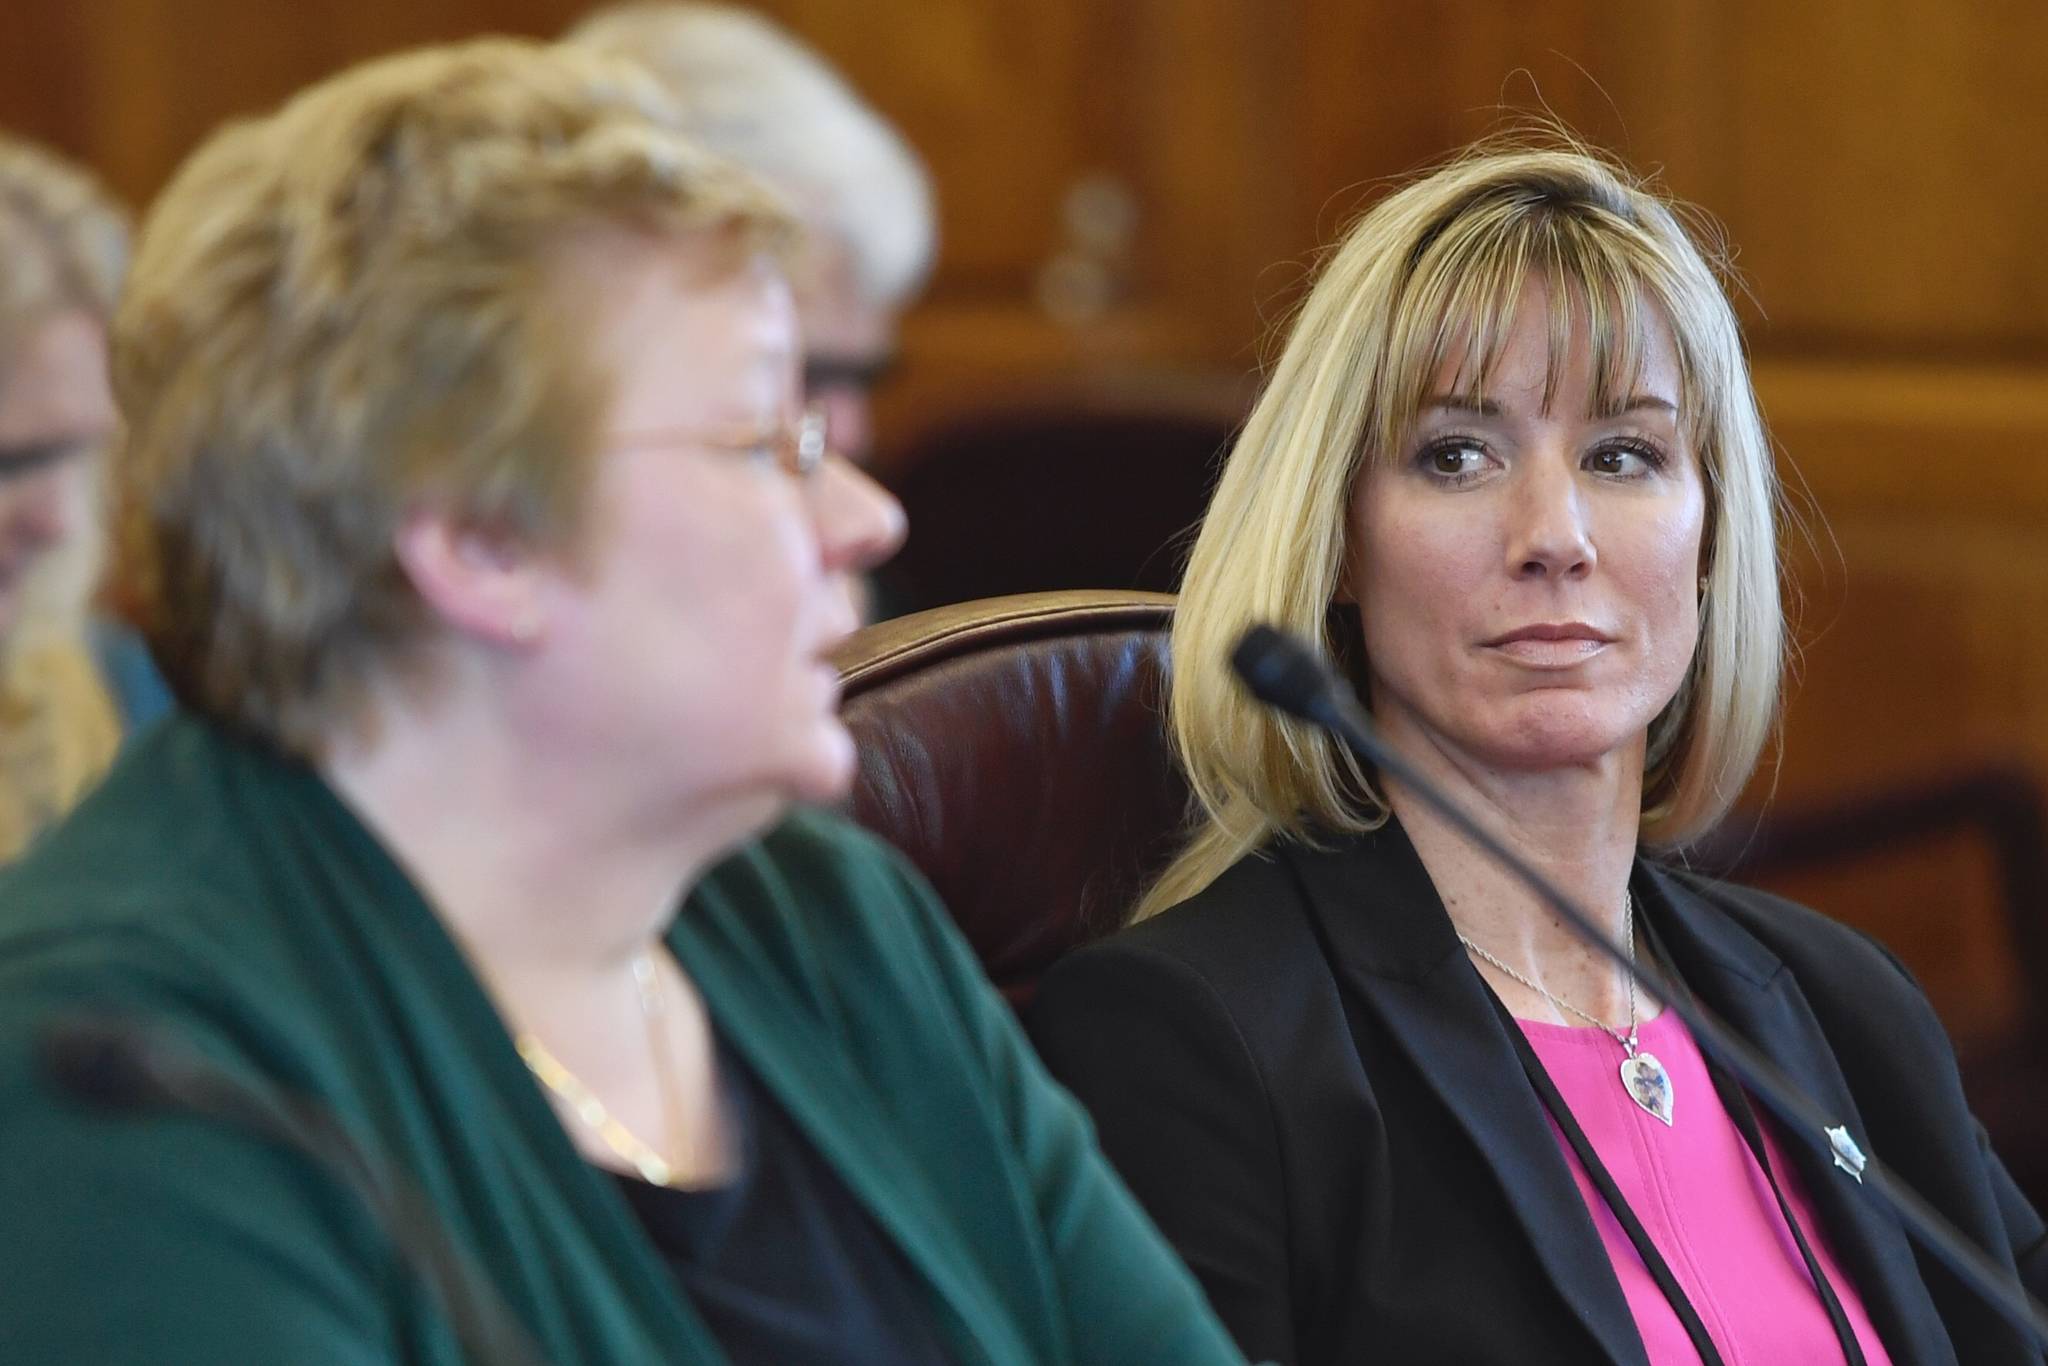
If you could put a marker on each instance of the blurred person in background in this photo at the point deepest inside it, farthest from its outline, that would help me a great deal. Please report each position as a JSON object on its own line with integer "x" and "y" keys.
{"x": 70, "y": 685}
{"x": 477, "y": 518}
{"x": 749, "y": 91}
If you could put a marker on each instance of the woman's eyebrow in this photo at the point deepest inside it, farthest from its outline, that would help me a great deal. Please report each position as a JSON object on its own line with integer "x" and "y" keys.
{"x": 1462, "y": 403}
{"x": 1486, "y": 407}
{"x": 1640, "y": 403}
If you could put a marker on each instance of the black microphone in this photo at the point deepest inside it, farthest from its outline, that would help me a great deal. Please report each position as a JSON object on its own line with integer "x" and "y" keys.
{"x": 126, "y": 1068}
{"x": 101, "y": 1064}
{"x": 1283, "y": 673}
{"x": 1288, "y": 675}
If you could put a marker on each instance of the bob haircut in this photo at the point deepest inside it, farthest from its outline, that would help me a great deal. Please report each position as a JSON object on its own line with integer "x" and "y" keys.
{"x": 1432, "y": 277}
{"x": 354, "y": 307}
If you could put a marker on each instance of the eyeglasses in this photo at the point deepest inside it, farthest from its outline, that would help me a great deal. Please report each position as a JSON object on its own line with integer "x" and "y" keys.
{"x": 32, "y": 457}
{"x": 799, "y": 448}
{"x": 850, "y": 374}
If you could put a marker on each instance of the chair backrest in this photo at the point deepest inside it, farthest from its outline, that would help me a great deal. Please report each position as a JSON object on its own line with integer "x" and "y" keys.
{"x": 1123, "y": 485}
{"x": 1013, "y": 749}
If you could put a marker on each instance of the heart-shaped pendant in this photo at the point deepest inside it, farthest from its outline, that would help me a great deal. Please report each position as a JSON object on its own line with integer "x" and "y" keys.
{"x": 1648, "y": 1084}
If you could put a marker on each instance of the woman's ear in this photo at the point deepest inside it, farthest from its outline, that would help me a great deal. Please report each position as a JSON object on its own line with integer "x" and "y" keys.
{"x": 481, "y": 584}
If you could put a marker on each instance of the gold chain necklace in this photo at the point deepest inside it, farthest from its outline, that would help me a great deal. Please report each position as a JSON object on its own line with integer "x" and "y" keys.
{"x": 585, "y": 1105}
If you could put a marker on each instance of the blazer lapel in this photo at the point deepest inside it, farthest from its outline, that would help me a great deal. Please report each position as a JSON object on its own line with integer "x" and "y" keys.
{"x": 1746, "y": 985}
{"x": 1391, "y": 943}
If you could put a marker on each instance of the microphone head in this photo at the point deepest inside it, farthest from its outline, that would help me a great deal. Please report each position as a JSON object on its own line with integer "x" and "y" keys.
{"x": 1282, "y": 672}
{"x": 99, "y": 1061}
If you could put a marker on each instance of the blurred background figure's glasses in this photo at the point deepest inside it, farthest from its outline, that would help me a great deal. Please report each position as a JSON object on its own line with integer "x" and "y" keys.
{"x": 860, "y": 375}
{"x": 35, "y": 456}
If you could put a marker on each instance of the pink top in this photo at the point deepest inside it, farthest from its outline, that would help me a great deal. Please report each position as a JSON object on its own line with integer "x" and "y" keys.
{"x": 1705, "y": 1203}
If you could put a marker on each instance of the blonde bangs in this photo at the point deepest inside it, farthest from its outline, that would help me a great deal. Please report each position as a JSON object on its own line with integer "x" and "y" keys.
{"x": 1467, "y": 289}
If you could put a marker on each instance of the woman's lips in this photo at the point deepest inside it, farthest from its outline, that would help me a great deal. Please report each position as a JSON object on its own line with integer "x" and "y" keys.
{"x": 1551, "y": 654}
{"x": 1552, "y": 646}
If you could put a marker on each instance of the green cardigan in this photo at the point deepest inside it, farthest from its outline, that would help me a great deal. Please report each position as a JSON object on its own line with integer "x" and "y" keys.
{"x": 229, "y": 894}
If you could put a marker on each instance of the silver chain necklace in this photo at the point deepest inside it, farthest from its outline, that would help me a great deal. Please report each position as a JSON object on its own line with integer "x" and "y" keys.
{"x": 1642, "y": 1076}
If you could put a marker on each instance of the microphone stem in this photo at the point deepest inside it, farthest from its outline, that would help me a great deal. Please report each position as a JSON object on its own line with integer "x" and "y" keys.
{"x": 483, "y": 1325}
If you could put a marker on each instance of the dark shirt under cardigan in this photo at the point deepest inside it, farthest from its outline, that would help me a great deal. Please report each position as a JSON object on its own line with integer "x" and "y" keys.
{"x": 1308, "y": 1085}
{"x": 780, "y": 1259}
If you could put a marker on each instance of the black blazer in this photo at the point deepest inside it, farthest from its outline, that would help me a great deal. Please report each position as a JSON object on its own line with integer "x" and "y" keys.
{"x": 1306, "y": 1082}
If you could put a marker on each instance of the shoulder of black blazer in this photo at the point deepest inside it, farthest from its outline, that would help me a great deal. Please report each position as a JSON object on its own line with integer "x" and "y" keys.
{"x": 1254, "y": 927}
{"x": 1259, "y": 926}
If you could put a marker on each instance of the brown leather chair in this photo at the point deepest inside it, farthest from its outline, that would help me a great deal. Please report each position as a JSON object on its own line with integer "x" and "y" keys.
{"x": 1013, "y": 749}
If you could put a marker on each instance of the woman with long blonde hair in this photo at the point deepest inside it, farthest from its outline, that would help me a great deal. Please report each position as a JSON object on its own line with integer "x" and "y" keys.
{"x": 1509, "y": 474}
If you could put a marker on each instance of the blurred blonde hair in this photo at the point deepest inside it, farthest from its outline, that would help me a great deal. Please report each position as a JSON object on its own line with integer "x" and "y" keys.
{"x": 63, "y": 249}
{"x": 352, "y": 306}
{"x": 750, "y": 91}
{"x": 1433, "y": 276}
{"x": 63, "y": 241}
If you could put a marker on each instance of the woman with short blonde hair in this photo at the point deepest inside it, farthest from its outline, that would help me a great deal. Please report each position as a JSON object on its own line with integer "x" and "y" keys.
{"x": 477, "y": 517}
{"x": 1509, "y": 474}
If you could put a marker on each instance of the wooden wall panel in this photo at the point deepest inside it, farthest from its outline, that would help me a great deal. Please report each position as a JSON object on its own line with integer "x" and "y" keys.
{"x": 1937, "y": 905}
{"x": 133, "y": 85}
{"x": 1879, "y": 166}
{"x": 1922, "y": 611}
{"x": 1927, "y": 647}
{"x": 1957, "y": 437}
{"x": 1925, "y": 579}
{"x": 1885, "y": 174}
{"x": 1001, "y": 95}
{"x": 1392, "y": 86}
{"x": 1166, "y": 105}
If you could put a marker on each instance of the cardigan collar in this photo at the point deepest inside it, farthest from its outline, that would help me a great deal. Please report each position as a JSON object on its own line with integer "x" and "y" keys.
{"x": 796, "y": 1064}
{"x": 1392, "y": 944}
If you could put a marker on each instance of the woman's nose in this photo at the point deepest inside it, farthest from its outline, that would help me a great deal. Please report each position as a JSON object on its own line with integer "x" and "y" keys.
{"x": 860, "y": 523}
{"x": 1549, "y": 536}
